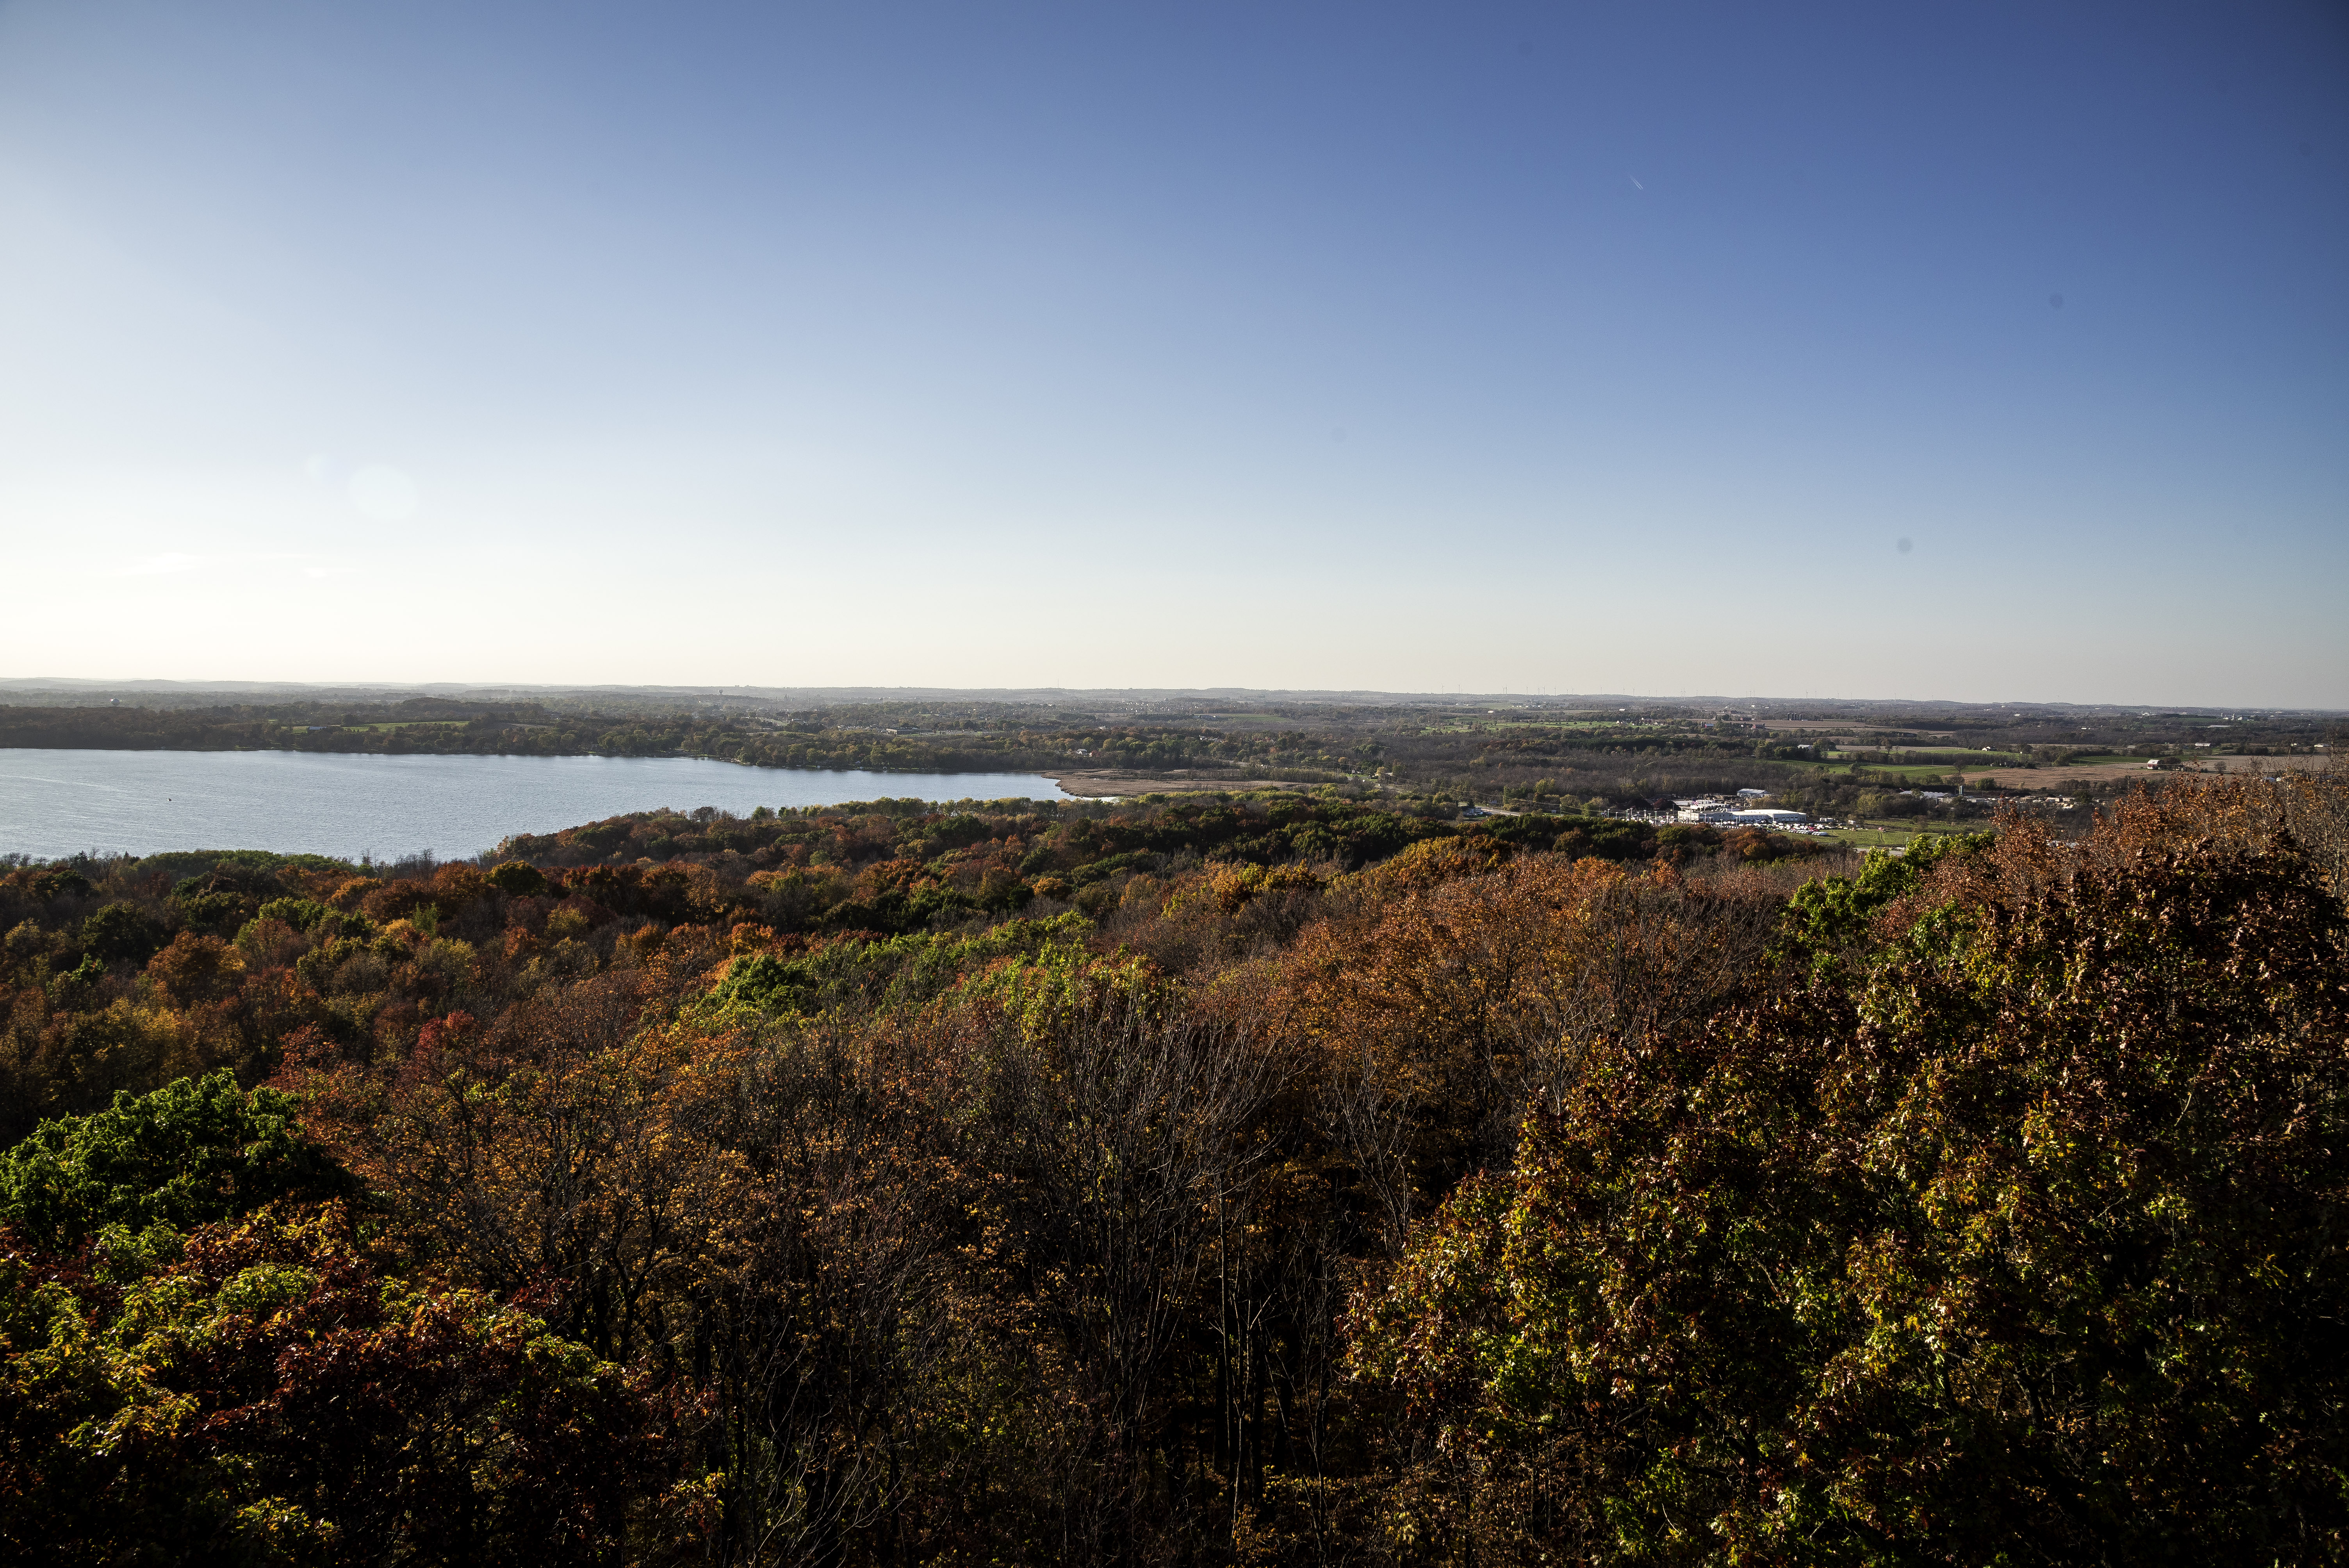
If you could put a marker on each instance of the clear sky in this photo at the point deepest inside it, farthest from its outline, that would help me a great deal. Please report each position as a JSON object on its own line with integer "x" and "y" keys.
{"x": 1982, "y": 351}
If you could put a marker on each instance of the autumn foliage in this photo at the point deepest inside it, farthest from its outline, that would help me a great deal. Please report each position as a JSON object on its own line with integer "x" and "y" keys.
{"x": 2022, "y": 1243}
{"x": 1231, "y": 1183}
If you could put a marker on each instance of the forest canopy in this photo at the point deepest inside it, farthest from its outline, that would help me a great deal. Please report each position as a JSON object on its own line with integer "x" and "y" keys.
{"x": 1246, "y": 1180}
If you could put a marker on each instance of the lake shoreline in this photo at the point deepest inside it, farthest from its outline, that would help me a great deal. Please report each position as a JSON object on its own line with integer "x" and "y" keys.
{"x": 57, "y": 802}
{"x": 1084, "y": 784}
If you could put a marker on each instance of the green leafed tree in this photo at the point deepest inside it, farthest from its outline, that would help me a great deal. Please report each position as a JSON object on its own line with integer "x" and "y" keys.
{"x": 262, "y": 1394}
{"x": 195, "y": 1150}
{"x": 2018, "y": 1242}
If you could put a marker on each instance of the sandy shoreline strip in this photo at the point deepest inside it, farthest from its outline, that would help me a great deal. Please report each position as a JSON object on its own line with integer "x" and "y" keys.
{"x": 1100, "y": 783}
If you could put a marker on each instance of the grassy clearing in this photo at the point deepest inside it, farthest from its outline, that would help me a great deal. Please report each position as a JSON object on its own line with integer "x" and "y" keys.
{"x": 1891, "y": 835}
{"x": 397, "y": 724}
{"x": 1914, "y": 771}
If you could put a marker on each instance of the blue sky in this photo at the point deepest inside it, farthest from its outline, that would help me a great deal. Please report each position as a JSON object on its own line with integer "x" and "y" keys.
{"x": 1609, "y": 348}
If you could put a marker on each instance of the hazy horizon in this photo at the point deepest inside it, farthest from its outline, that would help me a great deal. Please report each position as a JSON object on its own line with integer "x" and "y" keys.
{"x": 1820, "y": 349}
{"x": 844, "y": 693}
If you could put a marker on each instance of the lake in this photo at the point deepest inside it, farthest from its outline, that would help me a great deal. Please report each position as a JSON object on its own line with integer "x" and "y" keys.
{"x": 55, "y": 803}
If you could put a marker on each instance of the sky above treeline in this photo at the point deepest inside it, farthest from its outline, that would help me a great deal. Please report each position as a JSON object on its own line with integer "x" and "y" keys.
{"x": 1983, "y": 351}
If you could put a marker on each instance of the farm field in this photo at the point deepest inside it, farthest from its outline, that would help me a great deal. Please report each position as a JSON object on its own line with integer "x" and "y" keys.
{"x": 2107, "y": 769}
{"x": 1972, "y": 765}
{"x": 1893, "y": 836}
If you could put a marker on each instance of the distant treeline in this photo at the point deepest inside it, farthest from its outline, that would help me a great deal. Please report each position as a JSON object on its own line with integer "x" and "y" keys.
{"x": 425, "y": 726}
{"x": 1542, "y": 763}
{"x": 1424, "y": 753}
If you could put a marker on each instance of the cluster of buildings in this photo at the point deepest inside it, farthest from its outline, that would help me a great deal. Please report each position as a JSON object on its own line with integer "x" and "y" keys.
{"x": 1744, "y": 810}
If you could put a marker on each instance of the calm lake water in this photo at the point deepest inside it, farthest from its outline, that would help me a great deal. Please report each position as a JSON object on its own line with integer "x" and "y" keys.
{"x": 56, "y": 803}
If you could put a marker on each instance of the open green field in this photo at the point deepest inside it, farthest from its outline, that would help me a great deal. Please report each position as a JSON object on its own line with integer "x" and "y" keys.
{"x": 404, "y": 723}
{"x": 1578, "y": 724}
{"x": 1935, "y": 756}
{"x": 1977, "y": 766}
{"x": 1887, "y": 836}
